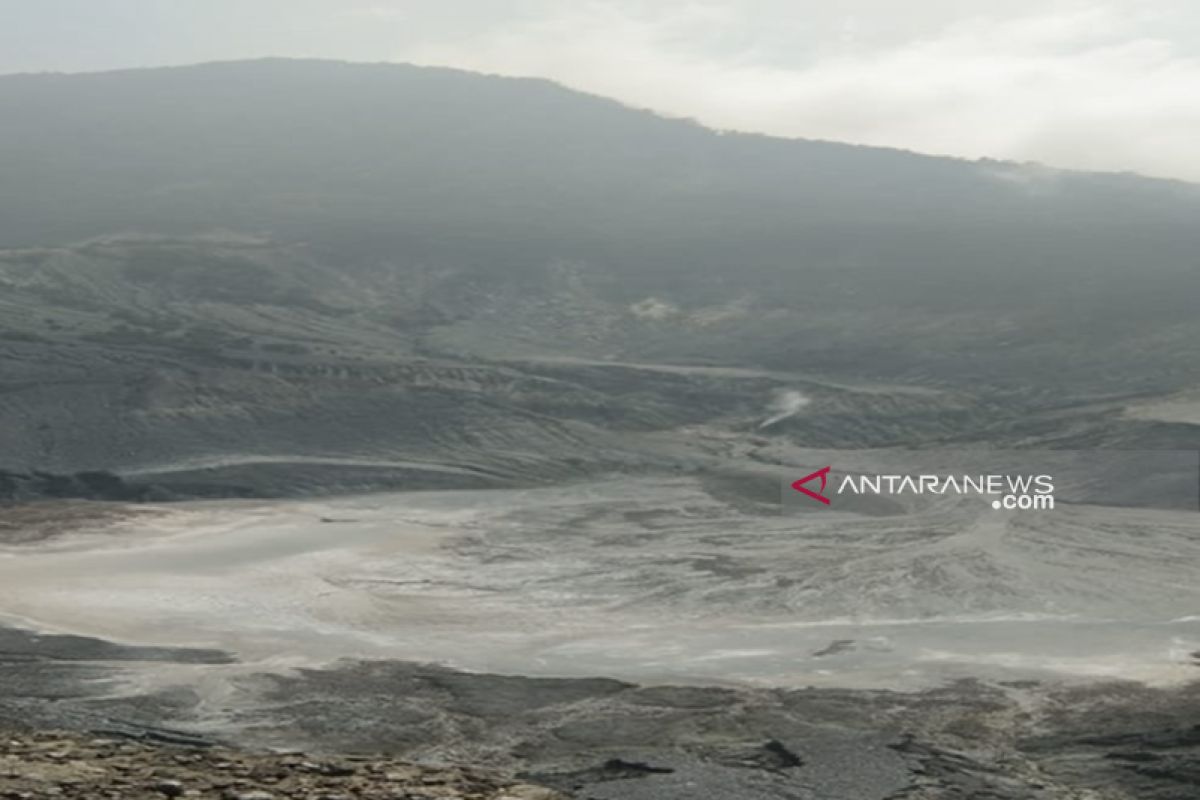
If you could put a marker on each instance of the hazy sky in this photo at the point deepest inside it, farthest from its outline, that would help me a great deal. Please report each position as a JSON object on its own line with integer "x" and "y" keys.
{"x": 1096, "y": 85}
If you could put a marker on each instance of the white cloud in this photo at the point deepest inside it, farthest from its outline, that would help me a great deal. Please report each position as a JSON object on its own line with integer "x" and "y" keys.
{"x": 1083, "y": 85}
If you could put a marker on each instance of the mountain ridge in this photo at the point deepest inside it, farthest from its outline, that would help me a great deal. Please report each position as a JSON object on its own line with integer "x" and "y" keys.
{"x": 533, "y": 79}
{"x": 434, "y": 266}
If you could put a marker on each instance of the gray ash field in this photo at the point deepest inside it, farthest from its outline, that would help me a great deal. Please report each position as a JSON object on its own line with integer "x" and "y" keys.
{"x": 1025, "y": 656}
{"x": 639, "y": 579}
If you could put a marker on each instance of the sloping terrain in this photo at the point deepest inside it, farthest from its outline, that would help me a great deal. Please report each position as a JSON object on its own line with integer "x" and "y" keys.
{"x": 380, "y": 275}
{"x": 209, "y": 358}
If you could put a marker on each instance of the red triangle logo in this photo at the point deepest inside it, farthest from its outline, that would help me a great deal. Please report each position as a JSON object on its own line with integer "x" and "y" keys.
{"x": 819, "y": 495}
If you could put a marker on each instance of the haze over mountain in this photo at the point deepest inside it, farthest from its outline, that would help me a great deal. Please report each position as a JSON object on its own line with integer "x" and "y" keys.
{"x": 217, "y": 255}
{"x": 428, "y": 165}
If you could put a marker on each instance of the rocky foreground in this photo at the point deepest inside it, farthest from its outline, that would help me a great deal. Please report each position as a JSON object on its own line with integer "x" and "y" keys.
{"x": 593, "y": 739}
{"x": 62, "y": 765}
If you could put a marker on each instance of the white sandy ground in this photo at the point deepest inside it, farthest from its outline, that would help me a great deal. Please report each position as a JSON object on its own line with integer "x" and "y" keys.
{"x": 643, "y": 580}
{"x": 1181, "y": 408}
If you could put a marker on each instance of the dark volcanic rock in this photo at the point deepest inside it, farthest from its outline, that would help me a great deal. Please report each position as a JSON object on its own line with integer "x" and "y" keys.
{"x": 89, "y": 485}
{"x": 22, "y": 645}
{"x": 63, "y": 765}
{"x": 612, "y": 740}
{"x": 614, "y": 769}
{"x": 1140, "y": 741}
